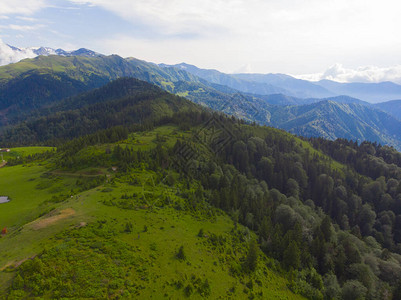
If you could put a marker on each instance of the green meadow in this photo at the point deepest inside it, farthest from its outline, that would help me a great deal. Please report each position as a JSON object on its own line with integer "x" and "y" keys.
{"x": 19, "y": 152}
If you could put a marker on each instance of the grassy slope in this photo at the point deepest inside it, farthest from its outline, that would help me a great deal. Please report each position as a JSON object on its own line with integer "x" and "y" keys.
{"x": 75, "y": 67}
{"x": 168, "y": 229}
{"x": 24, "y": 151}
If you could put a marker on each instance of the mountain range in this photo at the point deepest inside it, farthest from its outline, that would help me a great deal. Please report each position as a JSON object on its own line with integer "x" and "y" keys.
{"x": 264, "y": 84}
{"x": 29, "y": 90}
{"x": 261, "y": 84}
{"x": 45, "y": 51}
{"x": 10, "y": 54}
{"x": 371, "y": 92}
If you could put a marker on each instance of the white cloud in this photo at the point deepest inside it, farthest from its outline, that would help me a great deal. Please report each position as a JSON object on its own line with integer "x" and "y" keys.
{"x": 289, "y": 36}
{"x": 21, "y": 7}
{"x": 247, "y": 68}
{"x": 168, "y": 51}
{"x": 8, "y": 55}
{"x": 22, "y": 27}
{"x": 28, "y": 19}
{"x": 339, "y": 73}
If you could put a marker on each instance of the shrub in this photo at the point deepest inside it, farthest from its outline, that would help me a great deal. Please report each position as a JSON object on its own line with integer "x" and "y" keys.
{"x": 188, "y": 290}
{"x": 353, "y": 289}
{"x": 181, "y": 254}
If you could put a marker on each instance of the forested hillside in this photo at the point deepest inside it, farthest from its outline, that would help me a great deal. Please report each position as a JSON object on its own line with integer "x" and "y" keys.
{"x": 323, "y": 214}
{"x": 124, "y": 102}
{"x": 333, "y": 120}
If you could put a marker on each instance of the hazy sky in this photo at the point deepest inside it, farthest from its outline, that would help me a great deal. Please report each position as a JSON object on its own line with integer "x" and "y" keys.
{"x": 348, "y": 39}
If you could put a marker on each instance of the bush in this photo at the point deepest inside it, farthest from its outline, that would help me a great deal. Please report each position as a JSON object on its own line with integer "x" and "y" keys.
{"x": 128, "y": 227}
{"x": 353, "y": 290}
{"x": 332, "y": 288}
{"x": 188, "y": 290}
{"x": 204, "y": 290}
{"x": 181, "y": 254}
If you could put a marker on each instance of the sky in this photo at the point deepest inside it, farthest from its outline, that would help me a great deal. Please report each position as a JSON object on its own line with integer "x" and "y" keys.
{"x": 343, "y": 40}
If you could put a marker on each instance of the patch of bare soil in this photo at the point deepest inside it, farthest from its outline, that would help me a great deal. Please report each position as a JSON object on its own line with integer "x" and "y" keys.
{"x": 51, "y": 218}
{"x": 82, "y": 224}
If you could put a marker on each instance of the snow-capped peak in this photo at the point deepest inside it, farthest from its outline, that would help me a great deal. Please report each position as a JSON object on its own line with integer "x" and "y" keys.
{"x": 10, "y": 54}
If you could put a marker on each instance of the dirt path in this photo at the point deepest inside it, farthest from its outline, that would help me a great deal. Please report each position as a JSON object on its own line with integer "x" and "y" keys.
{"x": 3, "y": 164}
{"x": 52, "y": 218}
{"x": 75, "y": 174}
{"x": 16, "y": 264}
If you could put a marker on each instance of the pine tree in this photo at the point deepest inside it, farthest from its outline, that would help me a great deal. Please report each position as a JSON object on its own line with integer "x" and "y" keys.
{"x": 253, "y": 253}
{"x": 292, "y": 256}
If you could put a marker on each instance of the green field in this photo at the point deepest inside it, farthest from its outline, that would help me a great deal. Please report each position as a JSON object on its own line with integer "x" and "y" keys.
{"x": 18, "y": 152}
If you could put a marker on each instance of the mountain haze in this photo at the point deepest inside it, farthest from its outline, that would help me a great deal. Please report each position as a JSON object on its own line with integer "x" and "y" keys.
{"x": 281, "y": 99}
{"x": 265, "y": 84}
{"x": 217, "y": 77}
{"x": 371, "y": 92}
{"x": 296, "y": 87}
{"x": 258, "y": 83}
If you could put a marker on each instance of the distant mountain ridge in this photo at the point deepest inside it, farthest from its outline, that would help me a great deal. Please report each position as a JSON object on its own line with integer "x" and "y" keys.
{"x": 266, "y": 84}
{"x": 371, "y": 92}
{"x": 391, "y": 107}
{"x": 217, "y": 77}
{"x": 281, "y": 99}
{"x": 333, "y": 120}
{"x": 297, "y": 87}
{"x": 11, "y": 54}
{"x": 30, "y": 86}
{"x": 45, "y": 51}
{"x": 258, "y": 83}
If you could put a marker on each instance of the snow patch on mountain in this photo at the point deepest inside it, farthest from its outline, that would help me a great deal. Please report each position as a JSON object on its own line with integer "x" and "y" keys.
{"x": 10, "y": 54}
